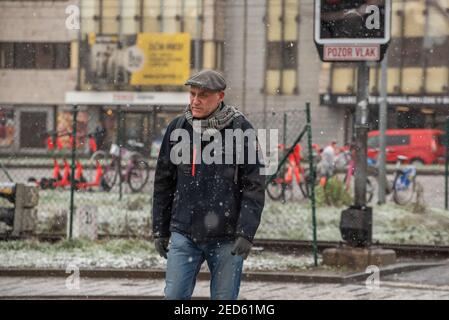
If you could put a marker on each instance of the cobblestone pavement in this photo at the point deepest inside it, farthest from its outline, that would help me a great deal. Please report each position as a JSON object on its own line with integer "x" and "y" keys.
{"x": 14, "y": 287}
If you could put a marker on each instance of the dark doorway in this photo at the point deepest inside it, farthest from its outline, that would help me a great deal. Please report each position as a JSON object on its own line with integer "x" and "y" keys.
{"x": 33, "y": 126}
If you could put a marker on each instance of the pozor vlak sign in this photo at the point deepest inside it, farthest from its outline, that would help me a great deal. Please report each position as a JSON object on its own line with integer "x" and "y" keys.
{"x": 352, "y": 30}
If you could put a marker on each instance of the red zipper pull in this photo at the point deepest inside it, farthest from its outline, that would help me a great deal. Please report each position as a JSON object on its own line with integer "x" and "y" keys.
{"x": 194, "y": 160}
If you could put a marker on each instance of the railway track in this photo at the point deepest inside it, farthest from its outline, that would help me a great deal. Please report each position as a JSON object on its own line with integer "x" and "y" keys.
{"x": 301, "y": 246}
{"x": 403, "y": 250}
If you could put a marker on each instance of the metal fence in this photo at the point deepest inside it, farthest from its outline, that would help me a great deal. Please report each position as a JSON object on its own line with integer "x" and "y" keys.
{"x": 109, "y": 204}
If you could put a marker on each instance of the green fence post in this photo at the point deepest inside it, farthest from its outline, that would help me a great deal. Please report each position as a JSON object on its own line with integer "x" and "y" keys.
{"x": 72, "y": 180}
{"x": 312, "y": 184}
{"x": 446, "y": 171}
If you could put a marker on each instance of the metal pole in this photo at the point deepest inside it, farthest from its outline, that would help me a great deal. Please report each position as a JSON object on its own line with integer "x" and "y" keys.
{"x": 284, "y": 133}
{"x": 72, "y": 180}
{"x": 245, "y": 51}
{"x": 382, "y": 178}
{"x": 361, "y": 129}
{"x": 78, "y": 67}
{"x": 119, "y": 143}
{"x": 446, "y": 171}
{"x": 6, "y": 172}
{"x": 161, "y": 22}
{"x": 198, "y": 35}
{"x": 312, "y": 186}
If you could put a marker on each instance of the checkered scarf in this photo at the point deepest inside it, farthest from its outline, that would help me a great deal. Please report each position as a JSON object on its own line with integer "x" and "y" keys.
{"x": 219, "y": 119}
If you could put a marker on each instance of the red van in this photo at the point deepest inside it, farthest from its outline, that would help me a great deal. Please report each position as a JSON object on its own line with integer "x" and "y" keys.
{"x": 420, "y": 146}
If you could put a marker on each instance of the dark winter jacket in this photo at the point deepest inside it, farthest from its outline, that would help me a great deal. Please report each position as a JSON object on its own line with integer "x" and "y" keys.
{"x": 207, "y": 201}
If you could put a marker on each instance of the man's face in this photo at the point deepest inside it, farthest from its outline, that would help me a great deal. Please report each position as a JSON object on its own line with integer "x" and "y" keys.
{"x": 203, "y": 102}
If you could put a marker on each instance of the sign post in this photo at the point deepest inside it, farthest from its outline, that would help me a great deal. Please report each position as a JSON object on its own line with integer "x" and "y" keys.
{"x": 355, "y": 31}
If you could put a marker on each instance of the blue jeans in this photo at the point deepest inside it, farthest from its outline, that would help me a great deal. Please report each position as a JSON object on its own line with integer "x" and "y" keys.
{"x": 184, "y": 261}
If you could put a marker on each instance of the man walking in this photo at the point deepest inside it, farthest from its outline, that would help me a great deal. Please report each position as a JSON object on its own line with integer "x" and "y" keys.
{"x": 206, "y": 211}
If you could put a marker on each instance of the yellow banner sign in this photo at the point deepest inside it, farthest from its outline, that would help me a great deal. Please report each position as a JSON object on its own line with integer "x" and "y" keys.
{"x": 166, "y": 59}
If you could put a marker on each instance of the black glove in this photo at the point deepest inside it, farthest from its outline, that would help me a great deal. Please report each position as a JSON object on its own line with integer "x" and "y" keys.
{"x": 161, "y": 245}
{"x": 241, "y": 247}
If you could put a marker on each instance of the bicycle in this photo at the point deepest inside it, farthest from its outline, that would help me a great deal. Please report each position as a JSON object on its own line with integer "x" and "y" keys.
{"x": 281, "y": 187}
{"x": 136, "y": 171}
{"x": 404, "y": 182}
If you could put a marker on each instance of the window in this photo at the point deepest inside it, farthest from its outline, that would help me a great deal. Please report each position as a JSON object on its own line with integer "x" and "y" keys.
{"x": 6, "y": 127}
{"x": 398, "y": 140}
{"x": 373, "y": 142}
{"x": 414, "y": 18}
{"x": 343, "y": 78}
{"x": 130, "y": 12}
{"x": 110, "y": 11}
{"x": 64, "y": 125}
{"x": 134, "y": 16}
{"x": 34, "y": 55}
{"x": 282, "y": 47}
{"x": 62, "y": 55}
{"x": 151, "y": 19}
{"x": 44, "y": 56}
{"x": 24, "y": 55}
{"x": 212, "y": 54}
{"x": 193, "y": 51}
{"x": 440, "y": 139}
{"x": 6, "y": 55}
{"x": 33, "y": 126}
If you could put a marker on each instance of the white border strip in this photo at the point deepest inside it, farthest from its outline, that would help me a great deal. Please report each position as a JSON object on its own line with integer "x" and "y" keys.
{"x": 126, "y": 98}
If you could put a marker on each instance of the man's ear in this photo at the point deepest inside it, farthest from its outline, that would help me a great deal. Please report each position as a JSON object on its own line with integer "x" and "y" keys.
{"x": 221, "y": 95}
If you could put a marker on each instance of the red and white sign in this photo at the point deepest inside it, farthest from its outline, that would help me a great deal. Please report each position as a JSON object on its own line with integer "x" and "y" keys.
{"x": 351, "y": 52}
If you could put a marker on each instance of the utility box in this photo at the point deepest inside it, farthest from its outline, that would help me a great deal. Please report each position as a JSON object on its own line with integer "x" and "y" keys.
{"x": 356, "y": 226}
{"x": 23, "y": 216}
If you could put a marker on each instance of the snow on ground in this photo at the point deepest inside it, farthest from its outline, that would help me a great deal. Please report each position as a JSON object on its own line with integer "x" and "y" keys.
{"x": 132, "y": 217}
{"x": 292, "y": 220}
{"x": 137, "y": 254}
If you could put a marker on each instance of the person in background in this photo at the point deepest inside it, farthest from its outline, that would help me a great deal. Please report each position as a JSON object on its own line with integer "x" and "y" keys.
{"x": 326, "y": 166}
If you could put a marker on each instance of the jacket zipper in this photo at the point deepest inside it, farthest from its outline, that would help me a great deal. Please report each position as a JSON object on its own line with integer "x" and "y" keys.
{"x": 194, "y": 160}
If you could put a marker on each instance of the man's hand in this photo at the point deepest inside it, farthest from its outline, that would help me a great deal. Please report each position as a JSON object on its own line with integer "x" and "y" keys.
{"x": 161, "y": 245}
{"x": 242, "y": 247}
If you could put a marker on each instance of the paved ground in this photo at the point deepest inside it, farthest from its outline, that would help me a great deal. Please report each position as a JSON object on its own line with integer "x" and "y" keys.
{"x": 432, "y": 283}
{"x": 437, "y": 276}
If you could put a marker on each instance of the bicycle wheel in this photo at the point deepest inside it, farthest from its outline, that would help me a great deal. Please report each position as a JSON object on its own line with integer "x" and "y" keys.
{"x": 110, "y": 175}
{"x": 403, "y": 188}
{"x": 370, "y": 187}
{"x": 138, "y": 175}
{"x": 275, "y": 189}
{"x": 304, "y": 189}
{"x": 306, "y": 183}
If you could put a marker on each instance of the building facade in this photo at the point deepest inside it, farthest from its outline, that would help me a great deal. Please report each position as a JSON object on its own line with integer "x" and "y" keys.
{"x": 37, "y": 66}
{"x": 265, "y": 48}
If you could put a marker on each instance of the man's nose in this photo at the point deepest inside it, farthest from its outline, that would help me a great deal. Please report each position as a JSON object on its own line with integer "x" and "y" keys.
{"x": 195, "y": 100}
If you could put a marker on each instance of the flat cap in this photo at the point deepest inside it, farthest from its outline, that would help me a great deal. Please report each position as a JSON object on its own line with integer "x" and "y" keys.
{"x": 207, "y": 79}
